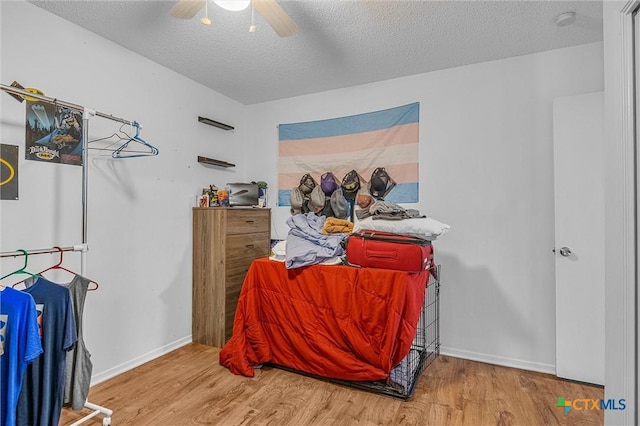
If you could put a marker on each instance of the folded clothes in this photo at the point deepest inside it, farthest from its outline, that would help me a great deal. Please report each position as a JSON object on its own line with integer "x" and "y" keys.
{"x": 386, "y": 210}
{"x": 334, "y": 225}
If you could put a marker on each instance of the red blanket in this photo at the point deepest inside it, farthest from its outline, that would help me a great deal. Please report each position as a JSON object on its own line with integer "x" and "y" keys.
{"x": 333, "y": 321}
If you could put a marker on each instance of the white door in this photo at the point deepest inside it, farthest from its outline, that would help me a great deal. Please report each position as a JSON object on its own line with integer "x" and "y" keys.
{"x": 579, "y": 237}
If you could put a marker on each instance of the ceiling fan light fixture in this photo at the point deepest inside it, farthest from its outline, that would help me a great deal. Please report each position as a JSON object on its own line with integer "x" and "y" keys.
{"x": 233, "y": 5}
{"x": 252, "y": 27}
{"x": 205, "y": 19}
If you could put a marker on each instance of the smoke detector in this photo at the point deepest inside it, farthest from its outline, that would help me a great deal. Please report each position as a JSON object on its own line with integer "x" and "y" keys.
{"x": 565, "y": 19}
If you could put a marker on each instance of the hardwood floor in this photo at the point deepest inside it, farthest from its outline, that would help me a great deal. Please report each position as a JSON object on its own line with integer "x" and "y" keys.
{"x": 189, "y": 387}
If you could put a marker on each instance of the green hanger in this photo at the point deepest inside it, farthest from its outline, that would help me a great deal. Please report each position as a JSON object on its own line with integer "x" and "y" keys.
{"x": 23, "y": 269}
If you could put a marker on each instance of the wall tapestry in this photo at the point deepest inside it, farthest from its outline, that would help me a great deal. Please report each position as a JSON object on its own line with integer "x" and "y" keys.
{"x": 53, "y": 134}
{"x": 387, "y": 138}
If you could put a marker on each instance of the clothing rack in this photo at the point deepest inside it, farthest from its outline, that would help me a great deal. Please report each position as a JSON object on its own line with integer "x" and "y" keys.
{"x": 87, "y": 114}
{"x": 79, "y": 247}
{"x": 106, "y": 421}
{"x": 75, "y": 107}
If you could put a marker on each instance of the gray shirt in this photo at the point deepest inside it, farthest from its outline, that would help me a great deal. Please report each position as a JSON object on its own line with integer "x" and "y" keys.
{"x": 79, "y": 365}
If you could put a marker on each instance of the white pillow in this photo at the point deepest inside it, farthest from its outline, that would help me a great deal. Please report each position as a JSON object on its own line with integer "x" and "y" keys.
{"x": 422, "y": 227}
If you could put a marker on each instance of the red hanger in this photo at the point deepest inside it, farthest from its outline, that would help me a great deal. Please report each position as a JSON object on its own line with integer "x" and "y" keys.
{"x": 59, "y": 266}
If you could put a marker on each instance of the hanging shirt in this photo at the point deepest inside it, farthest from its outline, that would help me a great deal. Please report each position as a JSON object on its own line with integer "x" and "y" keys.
{"x": 19, "y": 345}
{"x": 40, "y": 401}
{"x": 79, "y": 365}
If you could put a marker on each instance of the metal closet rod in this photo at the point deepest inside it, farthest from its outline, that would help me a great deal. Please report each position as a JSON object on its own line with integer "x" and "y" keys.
{"x": 66, "y": 104}
{"x": 79, "y": 247}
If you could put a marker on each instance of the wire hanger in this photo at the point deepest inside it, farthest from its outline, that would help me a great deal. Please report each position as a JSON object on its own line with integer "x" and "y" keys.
{"x": 120, "y": 153}
{"x": 115, "y": 139}
{"x": 23, "y": 269}
{"x": 59, "y": 266}
{"x": 117, "y": 136}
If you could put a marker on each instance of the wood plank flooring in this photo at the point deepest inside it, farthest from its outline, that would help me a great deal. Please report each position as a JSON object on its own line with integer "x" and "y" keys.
{"x": 189, "y": 387}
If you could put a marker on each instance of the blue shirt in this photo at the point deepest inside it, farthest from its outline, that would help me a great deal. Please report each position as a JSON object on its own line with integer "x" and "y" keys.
{"x": 40, "y": 401}
{"x": 19, "y": 345}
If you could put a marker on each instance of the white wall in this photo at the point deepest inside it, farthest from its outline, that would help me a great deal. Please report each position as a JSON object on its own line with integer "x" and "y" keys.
{"x": 139, "y": 228}
{"x": 486, "y": 168}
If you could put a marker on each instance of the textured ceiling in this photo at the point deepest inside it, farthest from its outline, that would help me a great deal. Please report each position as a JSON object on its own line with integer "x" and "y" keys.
{"x": 338, "y": 43}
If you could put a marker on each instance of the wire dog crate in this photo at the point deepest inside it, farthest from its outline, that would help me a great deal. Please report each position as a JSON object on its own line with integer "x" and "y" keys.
{"x": 403, "y": 378}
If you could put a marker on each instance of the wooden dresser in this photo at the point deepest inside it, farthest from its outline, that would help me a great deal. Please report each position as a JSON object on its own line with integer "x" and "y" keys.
{"x": 225, "y": 242}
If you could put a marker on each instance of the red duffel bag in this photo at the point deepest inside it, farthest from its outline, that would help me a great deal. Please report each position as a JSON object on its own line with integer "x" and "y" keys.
{"x": 376, "y": 249}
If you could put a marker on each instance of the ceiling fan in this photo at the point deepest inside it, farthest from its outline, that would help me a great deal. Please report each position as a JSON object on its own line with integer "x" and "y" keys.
{"x": 270, "y": 10}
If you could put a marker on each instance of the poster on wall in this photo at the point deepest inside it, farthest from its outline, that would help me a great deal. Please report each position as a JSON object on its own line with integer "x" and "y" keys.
{"x": 53, "y": 134}
{"x": 8, "y": 172}
{"x": 387, "y": 138}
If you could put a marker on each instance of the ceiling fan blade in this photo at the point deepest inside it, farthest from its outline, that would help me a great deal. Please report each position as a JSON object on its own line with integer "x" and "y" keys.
{"x": 275, "y": 16}
{"x": 186, "y": 9}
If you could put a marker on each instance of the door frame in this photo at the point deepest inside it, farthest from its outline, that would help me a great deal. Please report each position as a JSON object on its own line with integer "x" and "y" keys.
{"x": 621, "y": 261}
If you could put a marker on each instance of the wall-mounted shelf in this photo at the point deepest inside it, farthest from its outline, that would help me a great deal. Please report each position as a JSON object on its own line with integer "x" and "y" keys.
{"x": 215, "y": 123}
{"x": 213, "y": 162}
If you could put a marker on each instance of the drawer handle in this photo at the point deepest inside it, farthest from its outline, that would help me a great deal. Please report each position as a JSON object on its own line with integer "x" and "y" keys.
{"x": 249, "y": 246}
{"x": 249, "y": 221}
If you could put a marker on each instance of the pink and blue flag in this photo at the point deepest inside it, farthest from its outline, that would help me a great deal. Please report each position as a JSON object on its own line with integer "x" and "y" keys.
{"x": 363, "y": 142}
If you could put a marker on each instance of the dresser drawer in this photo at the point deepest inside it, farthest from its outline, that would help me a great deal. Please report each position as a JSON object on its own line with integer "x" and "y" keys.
{"x": 244, "y": 221}
{"x": 246, "y": 246}
{"x": 231, "y": 295}
{"x": 231, "y": 305}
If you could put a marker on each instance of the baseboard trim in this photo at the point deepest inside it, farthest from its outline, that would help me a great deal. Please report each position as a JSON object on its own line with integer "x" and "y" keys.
{"x": 457, "y": 353}
{"x": 498, "y": 360}
{"x": 129, "y": 365}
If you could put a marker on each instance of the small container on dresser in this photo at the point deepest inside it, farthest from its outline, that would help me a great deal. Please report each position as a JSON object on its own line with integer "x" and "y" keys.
{"x": 225, "y": 242}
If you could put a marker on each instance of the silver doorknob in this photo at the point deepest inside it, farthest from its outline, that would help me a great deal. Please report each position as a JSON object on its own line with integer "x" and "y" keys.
{"x": 565, "y": 251}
